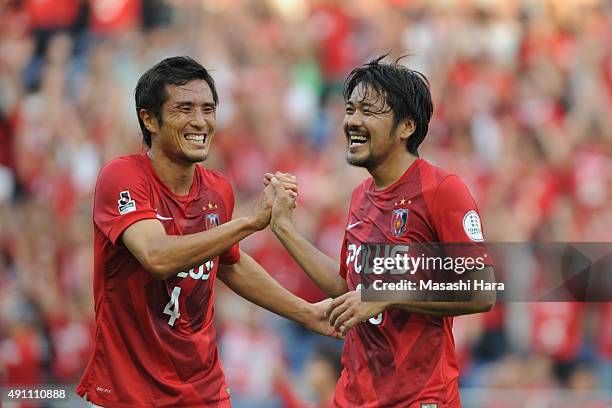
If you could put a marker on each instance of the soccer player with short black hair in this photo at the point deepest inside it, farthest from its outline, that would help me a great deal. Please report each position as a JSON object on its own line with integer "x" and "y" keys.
{"x": 163, "y": 230}
{"x": 395, "y": 354}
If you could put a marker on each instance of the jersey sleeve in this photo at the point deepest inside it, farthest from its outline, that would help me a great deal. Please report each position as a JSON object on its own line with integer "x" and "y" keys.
{"x": 121, "y": 198}
{"x": 343, "y": 267}
{"x": 456, "y": 219}
{"x": 344, "y": 250}
{"x": 232, "y": 255}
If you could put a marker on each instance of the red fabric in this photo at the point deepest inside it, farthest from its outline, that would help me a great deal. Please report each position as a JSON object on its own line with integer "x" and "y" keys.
{"x": 22, "y": 358}
{"x": 6, "y": 143}
{"x": 556, "y": 329}
{"x": 46, "y": 14}
{"x": 72, "y": 342}
{"x": 143, "y": 354}
{"x": 407, "y": 358}
{"x": 112, "y": 16}
{"x": 333, "y": 26}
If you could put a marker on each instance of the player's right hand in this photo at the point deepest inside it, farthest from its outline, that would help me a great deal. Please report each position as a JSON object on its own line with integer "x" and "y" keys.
{"x": 283, "y": 203}
{"x": 288, "y": 180}
{"x": 319, "y": 323}
{"x": 262, "y": 210}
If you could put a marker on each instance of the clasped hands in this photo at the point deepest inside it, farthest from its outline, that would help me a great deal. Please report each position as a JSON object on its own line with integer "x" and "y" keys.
{"x": 335, "y": 317}
{"x": 331, "y": 317}
{"x": 276, "y": 200}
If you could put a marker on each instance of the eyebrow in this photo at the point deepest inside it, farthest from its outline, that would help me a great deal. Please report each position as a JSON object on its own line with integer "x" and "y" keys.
{"x": 367, "y": 104}
{"x": 189, "y": 103}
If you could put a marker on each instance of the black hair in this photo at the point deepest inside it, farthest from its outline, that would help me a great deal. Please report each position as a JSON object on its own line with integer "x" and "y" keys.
{"x": 151, "y": 92}
{"x": 405, "y": 92}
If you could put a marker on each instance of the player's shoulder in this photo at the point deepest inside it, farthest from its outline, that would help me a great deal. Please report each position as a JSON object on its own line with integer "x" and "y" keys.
{"x": 129, "y": 163}
{"x": 435, "y": 177}
{"x": 122, "y": 167}
{"x": 361, "y": 189}
{"x": 214, "y": 179}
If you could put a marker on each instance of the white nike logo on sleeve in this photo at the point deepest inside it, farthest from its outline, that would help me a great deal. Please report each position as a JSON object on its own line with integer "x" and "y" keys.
{"x": 353, "y": 225}
{"x": 159, "y": 217}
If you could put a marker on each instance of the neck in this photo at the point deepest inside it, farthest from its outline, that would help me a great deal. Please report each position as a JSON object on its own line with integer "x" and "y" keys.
{"x": 390, "y": 170}
{"x": 178, "y": 177}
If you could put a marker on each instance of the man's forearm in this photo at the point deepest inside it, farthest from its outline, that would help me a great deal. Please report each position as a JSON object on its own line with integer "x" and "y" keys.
{"x": 320, "y": 268}
{"x": 168, "y": 255}
{"x": 455, "y": 303}
{"x": 443, "y": 308}
{"x": 251, "y": 281}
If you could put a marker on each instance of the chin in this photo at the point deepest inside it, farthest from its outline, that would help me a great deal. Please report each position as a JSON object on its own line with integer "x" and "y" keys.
{"x": 200, "y": 158}
{"x": 196, "y": 156}
{"x": 357, "y": 161}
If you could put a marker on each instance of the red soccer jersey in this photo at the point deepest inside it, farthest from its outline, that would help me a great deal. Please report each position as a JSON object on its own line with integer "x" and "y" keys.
{"x": 155, "y": 342}
{"x": 402, "y": 359}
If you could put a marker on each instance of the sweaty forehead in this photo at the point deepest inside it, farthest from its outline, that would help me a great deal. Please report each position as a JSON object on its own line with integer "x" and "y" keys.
{"x": 196, "y": 91}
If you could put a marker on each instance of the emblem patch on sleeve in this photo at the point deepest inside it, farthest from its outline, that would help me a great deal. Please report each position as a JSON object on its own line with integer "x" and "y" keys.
{"x": 126, "y": 204}
{"x": 472, "y": 226}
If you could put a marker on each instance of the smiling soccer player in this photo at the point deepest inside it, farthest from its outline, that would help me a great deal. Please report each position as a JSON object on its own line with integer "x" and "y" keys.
{"x": 395, "y": 354}
{"x": 163, "y": 230}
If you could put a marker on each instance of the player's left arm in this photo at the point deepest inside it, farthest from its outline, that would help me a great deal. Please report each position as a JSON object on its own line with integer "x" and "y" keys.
{"x": 451, "y": 205}
{"x": 347, "y": 310}
{"x": 251, "y": 281}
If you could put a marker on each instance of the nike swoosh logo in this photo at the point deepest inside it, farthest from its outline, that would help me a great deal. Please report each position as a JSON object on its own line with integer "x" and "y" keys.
{"x": 159, "y": 217}
{"x": 353, "y": 225}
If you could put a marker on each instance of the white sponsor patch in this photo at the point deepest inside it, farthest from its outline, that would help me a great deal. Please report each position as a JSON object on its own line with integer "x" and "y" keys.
{"x": 472, "y": 227}
{"x": 126, "y": 204}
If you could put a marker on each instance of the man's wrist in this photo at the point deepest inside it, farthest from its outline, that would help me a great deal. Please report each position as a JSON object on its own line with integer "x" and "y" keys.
{"x": 252, "y": 224}
{"x": 282, "y": 225}
{"x": 305, "y": 313}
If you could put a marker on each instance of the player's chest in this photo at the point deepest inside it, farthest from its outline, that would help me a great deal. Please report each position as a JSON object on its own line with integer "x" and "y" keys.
{"x": 188, "y": 217}
{"x": 400, "y": 218}
{"x": 383, "y": 229}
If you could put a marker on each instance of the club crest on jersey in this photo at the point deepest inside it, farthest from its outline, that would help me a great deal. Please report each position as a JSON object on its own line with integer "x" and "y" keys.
{"x": 126, "y": 204}
{"x": 399, "y": 219}
{"x": 212, "y": 221}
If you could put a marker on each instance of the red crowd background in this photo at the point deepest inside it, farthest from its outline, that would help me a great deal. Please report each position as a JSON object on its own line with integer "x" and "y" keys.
{"x": 523, "y": 108}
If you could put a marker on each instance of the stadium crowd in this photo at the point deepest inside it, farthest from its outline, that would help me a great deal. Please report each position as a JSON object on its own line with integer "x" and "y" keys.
{"x": 522, "y": 94}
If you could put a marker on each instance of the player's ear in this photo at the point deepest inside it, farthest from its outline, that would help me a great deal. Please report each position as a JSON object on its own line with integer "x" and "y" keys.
{"x": 406, "y": 128}
{"x": 149, "y": 121}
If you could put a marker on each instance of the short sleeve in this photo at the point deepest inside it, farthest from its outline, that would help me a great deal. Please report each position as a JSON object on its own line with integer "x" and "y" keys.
{"x": 121, "y": 198}
{"x": 343, "y": 267}
{"x": 232, "y": 255}
{"x": 456, "y": 218}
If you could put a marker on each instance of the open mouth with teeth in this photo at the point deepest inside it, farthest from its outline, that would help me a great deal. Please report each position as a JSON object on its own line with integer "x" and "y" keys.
{"x": 196, "y": 138}
{"x": 357, "y": 139}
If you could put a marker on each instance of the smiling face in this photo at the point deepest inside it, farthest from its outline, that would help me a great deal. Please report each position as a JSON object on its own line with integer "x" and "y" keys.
{"x": 188, "y": 122}
{"x": 368, "y": 127}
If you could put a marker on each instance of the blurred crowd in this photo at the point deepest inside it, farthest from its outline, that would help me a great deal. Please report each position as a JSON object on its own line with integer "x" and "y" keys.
{"x": 522, "y": 94}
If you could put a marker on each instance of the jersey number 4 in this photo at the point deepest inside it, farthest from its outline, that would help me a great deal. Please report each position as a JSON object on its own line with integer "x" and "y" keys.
{"x": 172, "y": 307}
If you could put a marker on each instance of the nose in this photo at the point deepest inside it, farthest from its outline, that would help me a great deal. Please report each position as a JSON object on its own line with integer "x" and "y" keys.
{"x": 355, "y": 119}
{"x": 198, "y": 119}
